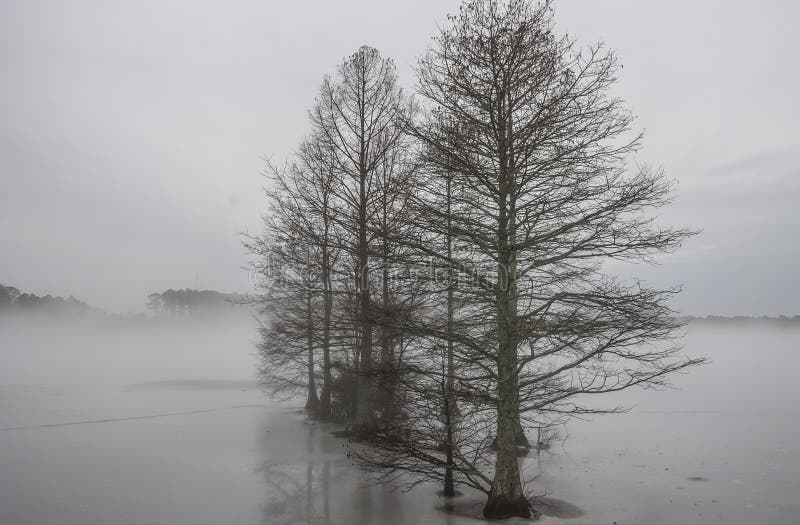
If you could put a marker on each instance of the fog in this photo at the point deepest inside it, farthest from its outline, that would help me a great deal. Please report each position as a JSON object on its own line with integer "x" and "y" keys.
{"x": 143, "y": 423}
{"x": 192, "y": 223}
{"x": 131, "y": 135}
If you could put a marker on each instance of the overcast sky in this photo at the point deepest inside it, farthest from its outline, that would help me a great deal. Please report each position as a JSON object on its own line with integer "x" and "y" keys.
{"x": 131, "y": 133}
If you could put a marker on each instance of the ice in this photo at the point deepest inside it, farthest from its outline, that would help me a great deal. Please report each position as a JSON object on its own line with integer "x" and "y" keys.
{"x": 138, "y": 423}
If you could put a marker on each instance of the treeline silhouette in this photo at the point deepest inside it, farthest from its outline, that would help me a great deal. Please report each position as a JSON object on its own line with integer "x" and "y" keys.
{"x": 168, "y": 304}
{"x": 780, "y": 320}
{"x": 187, "y": 302}
{"x": 13, "y": 300}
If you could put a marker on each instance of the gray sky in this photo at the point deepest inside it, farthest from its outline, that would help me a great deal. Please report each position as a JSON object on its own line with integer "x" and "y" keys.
{"x": 131, "y": 133}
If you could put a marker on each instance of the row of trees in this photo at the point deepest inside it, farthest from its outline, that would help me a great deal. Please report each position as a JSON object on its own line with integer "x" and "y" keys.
{"x": 12, "y": 300}
{"x": 187, "y": 302}
{"x": 432, "y": 267}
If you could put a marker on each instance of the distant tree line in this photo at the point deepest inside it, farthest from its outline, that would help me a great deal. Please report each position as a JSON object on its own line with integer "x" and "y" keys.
{"x": 12, "y": 300}
{"x": 187, "y": 302}
{"x": 740, "y": 320}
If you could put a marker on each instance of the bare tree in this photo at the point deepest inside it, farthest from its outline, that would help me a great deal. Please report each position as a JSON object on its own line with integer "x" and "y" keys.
{"x": 539, "y": 152}
{"x": 522, "y": 188}
{"x": 357, "y": 114}
{"x": 289, "y": 296}
{"x": 315, "y": 199}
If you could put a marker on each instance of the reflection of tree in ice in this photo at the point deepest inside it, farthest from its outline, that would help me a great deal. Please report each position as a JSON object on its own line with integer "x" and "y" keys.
{"x": 286, "y": 495}
{"x": 293, "y": 491}
{"x": 293, "y": 494}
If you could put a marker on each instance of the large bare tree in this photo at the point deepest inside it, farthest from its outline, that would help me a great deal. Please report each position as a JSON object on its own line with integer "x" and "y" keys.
{"x": 359, "y": 113}
{"x": 524, "y": 185}
{"x": 289, "y": 267}
{"x": 540, "y": 152}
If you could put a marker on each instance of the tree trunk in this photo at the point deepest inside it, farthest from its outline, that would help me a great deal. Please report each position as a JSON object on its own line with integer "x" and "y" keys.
{"x": 387, "y": 379}
{"x": 449, "y": 400}
{"x": 386, "y": 389}
{"x": 327, "y": 380}
{"x": 365, "y": 424}
{"x": 522, "y": 440}
{"x": 449, "y": 482}
{"x": 506, "y": 498}
{"x": 312, "y": 402}
{"x": 325, "y": 398}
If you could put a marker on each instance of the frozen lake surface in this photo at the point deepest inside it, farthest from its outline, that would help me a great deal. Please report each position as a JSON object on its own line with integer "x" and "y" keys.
{"x": 139, "y": 424}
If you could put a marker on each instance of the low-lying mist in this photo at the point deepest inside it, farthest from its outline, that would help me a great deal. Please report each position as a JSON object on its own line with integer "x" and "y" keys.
{"x": 100, "y": 409}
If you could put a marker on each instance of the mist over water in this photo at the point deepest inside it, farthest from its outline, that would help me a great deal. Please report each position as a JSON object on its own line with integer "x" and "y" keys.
{"x": 260, "y": 259}
{"x": 105, "y": 422}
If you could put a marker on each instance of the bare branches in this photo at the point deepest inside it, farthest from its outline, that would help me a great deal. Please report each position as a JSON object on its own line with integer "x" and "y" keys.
{"x": 468, "y": 238}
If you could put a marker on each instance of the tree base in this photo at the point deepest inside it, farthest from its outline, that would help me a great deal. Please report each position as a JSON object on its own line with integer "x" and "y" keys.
{"x": 311, "y": 409}
{"x": 502, "y": 507}
{"x": 363, "y": 432}
{"x": 449, "y": 490}
{"x": 323, "y": 412}
{"x": 455, "y": 494}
